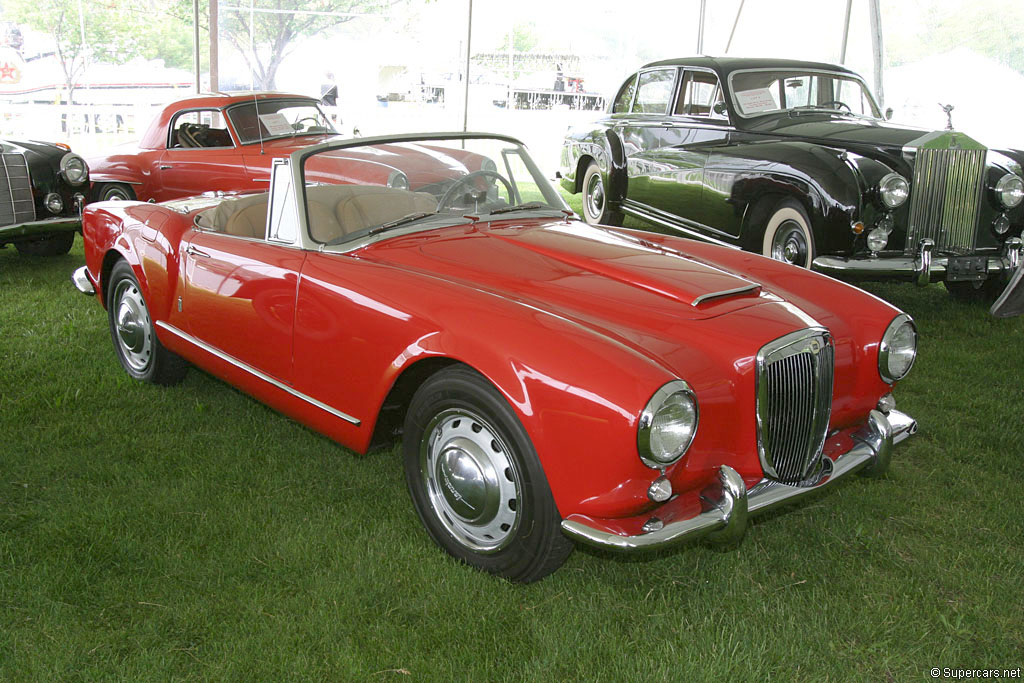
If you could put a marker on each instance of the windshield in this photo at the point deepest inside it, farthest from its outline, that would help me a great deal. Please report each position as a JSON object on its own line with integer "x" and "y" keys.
{"x": 758, "y": 92}
{"x": 273, "y": 118}
{"x": 357, "y": 191}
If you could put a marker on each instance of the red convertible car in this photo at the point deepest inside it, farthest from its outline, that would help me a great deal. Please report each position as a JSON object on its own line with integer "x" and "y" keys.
{"x": 552, "y": 381}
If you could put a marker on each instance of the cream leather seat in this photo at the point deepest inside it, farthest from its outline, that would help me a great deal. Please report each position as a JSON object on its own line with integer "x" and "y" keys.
{"x": 379, "y": 205}
{"x": 249, "y": 221}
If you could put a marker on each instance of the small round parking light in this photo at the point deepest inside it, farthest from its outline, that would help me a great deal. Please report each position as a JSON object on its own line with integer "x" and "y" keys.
{"x": 54, "y": 204}
{"x": 877, "y": 239}
{"x": 1001, "y": 225}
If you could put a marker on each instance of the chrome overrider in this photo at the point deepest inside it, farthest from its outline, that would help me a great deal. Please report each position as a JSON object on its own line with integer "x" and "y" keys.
{"x": 80, "y": 278}
{"x": 728, "y": 504}
{"x": 922, "y": 268}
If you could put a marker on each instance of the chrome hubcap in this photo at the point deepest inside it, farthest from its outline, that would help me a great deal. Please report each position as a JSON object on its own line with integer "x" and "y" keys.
{"x": 789, "y": 244}
{"x": 471, "y": 482}
{"x": 595, "y": 196}
{"x": 132, "y": 325}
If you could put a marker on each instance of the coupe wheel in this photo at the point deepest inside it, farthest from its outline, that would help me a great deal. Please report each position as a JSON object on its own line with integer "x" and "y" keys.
{"x": 131, "y": 329}
{"x": 51, "y": 245}
{"x": 475, "y": 479}
{"x": 595, "y": 199}
{"x": 787, "y": 235}
{"x": 114, "y": 192}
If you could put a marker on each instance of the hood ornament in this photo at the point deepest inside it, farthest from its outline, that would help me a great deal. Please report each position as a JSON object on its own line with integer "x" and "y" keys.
{"x": 948, "y": 108}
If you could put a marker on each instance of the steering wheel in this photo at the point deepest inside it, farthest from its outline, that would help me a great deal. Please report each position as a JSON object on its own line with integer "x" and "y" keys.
{"x": 838, "y": 104}
{"x": 447, "y": 197}
{"x": 315, "y": 120}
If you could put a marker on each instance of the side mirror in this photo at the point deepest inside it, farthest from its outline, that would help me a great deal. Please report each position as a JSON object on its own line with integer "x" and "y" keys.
{"x": 888, "y": 114}
{"x": 720, "y": 109}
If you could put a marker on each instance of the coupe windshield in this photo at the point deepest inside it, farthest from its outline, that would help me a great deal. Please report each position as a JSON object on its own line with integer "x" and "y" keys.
{"x": 271, "y": 118}
{"x": 758, "y": 92}
{"x": 357, "y": 191}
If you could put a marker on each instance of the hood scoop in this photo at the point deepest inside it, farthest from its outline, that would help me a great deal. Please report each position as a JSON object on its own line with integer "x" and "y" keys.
{"x": 634, "y": 262}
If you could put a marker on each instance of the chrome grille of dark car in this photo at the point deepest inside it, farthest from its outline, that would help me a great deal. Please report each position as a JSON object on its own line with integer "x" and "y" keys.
{"x": 794, "y": 403}
{"x": 16, "y": 202}
{"x": 945, "y": 198}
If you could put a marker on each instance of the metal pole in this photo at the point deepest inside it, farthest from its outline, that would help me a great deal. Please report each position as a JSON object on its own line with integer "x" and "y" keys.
{"x": 875, "y": 15}
{"x": 846, "y": 32}
{"x": 700, "y": 27}
{"x": 736, "y": 23}
{"x": 195, "y": 41}
{"x": 214, "y": 46}
{"x": 469, "y": 43}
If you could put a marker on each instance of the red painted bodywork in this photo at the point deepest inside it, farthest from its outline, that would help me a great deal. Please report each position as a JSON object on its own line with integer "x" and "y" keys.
{"x": 576, "y": 326}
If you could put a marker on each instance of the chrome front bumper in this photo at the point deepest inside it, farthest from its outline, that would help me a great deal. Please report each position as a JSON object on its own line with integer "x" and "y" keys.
{"x": 728, "y": 504}
{"x": 922, "y": 268}
{"x": 80, "y": 279}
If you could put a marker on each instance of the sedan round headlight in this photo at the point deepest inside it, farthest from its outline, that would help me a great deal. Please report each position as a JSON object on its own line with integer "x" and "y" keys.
{"x": 667, "y": 425}
{"x": 54, "y": 204}
{"x": 894, "y": 190}
{"x": 74, "y": 169}
{"x": 898, "y": 349}
{"x": 1010, "y": 190}
{"x": 398, "y": 180}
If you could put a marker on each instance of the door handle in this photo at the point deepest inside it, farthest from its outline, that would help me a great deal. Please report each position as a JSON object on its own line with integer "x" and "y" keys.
{"x": 192, "y": 251}
{"x": 667, "y": 124}
{"x": 164, "y": 168}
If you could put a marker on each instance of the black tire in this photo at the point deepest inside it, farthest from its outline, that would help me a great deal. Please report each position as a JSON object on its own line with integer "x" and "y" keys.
{"x": 458, "y": 422}
{"x": 787, "y": 235}
{"x": 984, "y": 292}
{"x": 596, "y": 207}
{"x": 113, "y": 192}
{"x": 51, "y": 245}
{"x": 131, "y": 329}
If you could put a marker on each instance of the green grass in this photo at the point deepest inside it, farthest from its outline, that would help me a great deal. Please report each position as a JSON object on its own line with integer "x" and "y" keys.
{"x": 191, "y": 533}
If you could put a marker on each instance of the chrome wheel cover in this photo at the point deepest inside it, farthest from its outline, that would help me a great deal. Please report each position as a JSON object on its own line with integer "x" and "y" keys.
{"x": 470, "y": 480}
{"x": 789, "y": 244}
{"x": 131, "y": 323}
{"x": 594, "y": 196}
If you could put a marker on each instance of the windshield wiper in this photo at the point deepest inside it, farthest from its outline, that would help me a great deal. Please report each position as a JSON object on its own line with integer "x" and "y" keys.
{"x": 526, "y": 206}
{"x": 408, "y": 218}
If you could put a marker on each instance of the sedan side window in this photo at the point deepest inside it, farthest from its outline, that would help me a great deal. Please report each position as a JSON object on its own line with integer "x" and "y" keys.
{"x": 195, "y": 129}
{"x": 654, "y": 91}
{"x": 699, "y": 95}
{"x": 625, "y": 97}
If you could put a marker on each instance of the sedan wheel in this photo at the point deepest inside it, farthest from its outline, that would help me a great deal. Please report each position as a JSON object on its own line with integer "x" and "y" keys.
{"x": 595, "y": 199}
{"x": 787, "y": 236}
{"x": 476, "y": 481}
{"x": 51, "y": 245}
{"x": 131, "y": 329}
{"x": 114, "y": 192}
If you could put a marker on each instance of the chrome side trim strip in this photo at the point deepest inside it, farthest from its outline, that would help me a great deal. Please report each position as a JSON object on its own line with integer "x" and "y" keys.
{"x": 253, "y": 371}
{"x": 633, "y": 210}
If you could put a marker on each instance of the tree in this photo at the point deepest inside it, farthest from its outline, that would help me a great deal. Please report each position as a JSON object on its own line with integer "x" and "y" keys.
{"x": 265, "y": 36}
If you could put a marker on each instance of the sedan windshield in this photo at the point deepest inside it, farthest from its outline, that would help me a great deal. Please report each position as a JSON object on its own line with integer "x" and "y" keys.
{"x": 408, "y": 184}
{"x": 758, "y": 92}
{"x": 267, "y": 119}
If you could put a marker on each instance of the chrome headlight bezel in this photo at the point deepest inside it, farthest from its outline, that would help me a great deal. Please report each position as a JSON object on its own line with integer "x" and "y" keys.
{"x": 893, "y": 190}
{"x": 398, "y": 180}
{"x": 887, "y": 351}
{"x": 1010, "y": 190}
{"x": 669, "y": 394}
{"x": 74, "y": 169}
{"x": 488, "y": 165}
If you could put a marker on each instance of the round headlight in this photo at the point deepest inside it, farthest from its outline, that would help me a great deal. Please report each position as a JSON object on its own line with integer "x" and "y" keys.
{"x": 488, "y": 165}
{"x": 54, "y": 204}
{"x": 74, "y": 169}
{"x": 877, "y": 239}
{"x": 667, "y": 425}
{"x": 894, "y": 190}
{"x": 898, "y": 349}
{"x": 398, "y": 180}
{"x": 1010, "y": 190}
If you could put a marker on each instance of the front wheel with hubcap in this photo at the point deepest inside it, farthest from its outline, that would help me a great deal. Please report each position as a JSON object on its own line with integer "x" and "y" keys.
{"x": 51, "y": 245}
{"x": 131, "y": 329}
{"x": 596, "y": 209}
{"x": 476, "y": 481}
{"x": 787, "y": 235}
{"x": 119, "y": 192}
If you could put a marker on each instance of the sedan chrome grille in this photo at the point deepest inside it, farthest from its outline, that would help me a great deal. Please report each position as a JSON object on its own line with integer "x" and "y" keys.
{"x": 945, "y": 198}
{"x": 794, "y": 403}
{"x": 17, "y": 205}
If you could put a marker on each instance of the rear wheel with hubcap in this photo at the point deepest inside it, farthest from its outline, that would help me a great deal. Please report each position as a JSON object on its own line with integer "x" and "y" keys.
{"x": 476, "y": 481}
{"x": 595, "y": 199}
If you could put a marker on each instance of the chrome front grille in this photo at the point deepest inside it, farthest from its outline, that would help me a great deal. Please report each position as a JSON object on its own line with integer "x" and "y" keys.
{"x": 794, "y": 403}
{"x": 945, "y": 198}
{"x": 17, "y": 204}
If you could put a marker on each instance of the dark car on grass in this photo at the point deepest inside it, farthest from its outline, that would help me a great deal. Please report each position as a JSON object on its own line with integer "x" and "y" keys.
{"x": 42, "y": 189}
{"x": 794, "y": 160}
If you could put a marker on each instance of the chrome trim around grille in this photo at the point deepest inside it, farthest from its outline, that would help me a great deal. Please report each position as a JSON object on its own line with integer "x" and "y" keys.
{"x": 794, "y": 402}
{"x": 17, "y": 205}
{"x": 945, "y": 199}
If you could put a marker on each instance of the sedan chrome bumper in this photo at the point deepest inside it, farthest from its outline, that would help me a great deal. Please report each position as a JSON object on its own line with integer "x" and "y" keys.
{"x": 728, "y": 504}
{"x": 922, "y": 268}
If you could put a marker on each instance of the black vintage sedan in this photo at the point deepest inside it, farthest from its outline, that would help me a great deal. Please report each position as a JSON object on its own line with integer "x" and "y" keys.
{"x": 794, "y": 160}
{"x": 42, "y": 189}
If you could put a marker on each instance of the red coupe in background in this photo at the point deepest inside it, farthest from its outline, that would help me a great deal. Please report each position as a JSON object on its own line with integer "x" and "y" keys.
{"x": 552, "y": 381}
